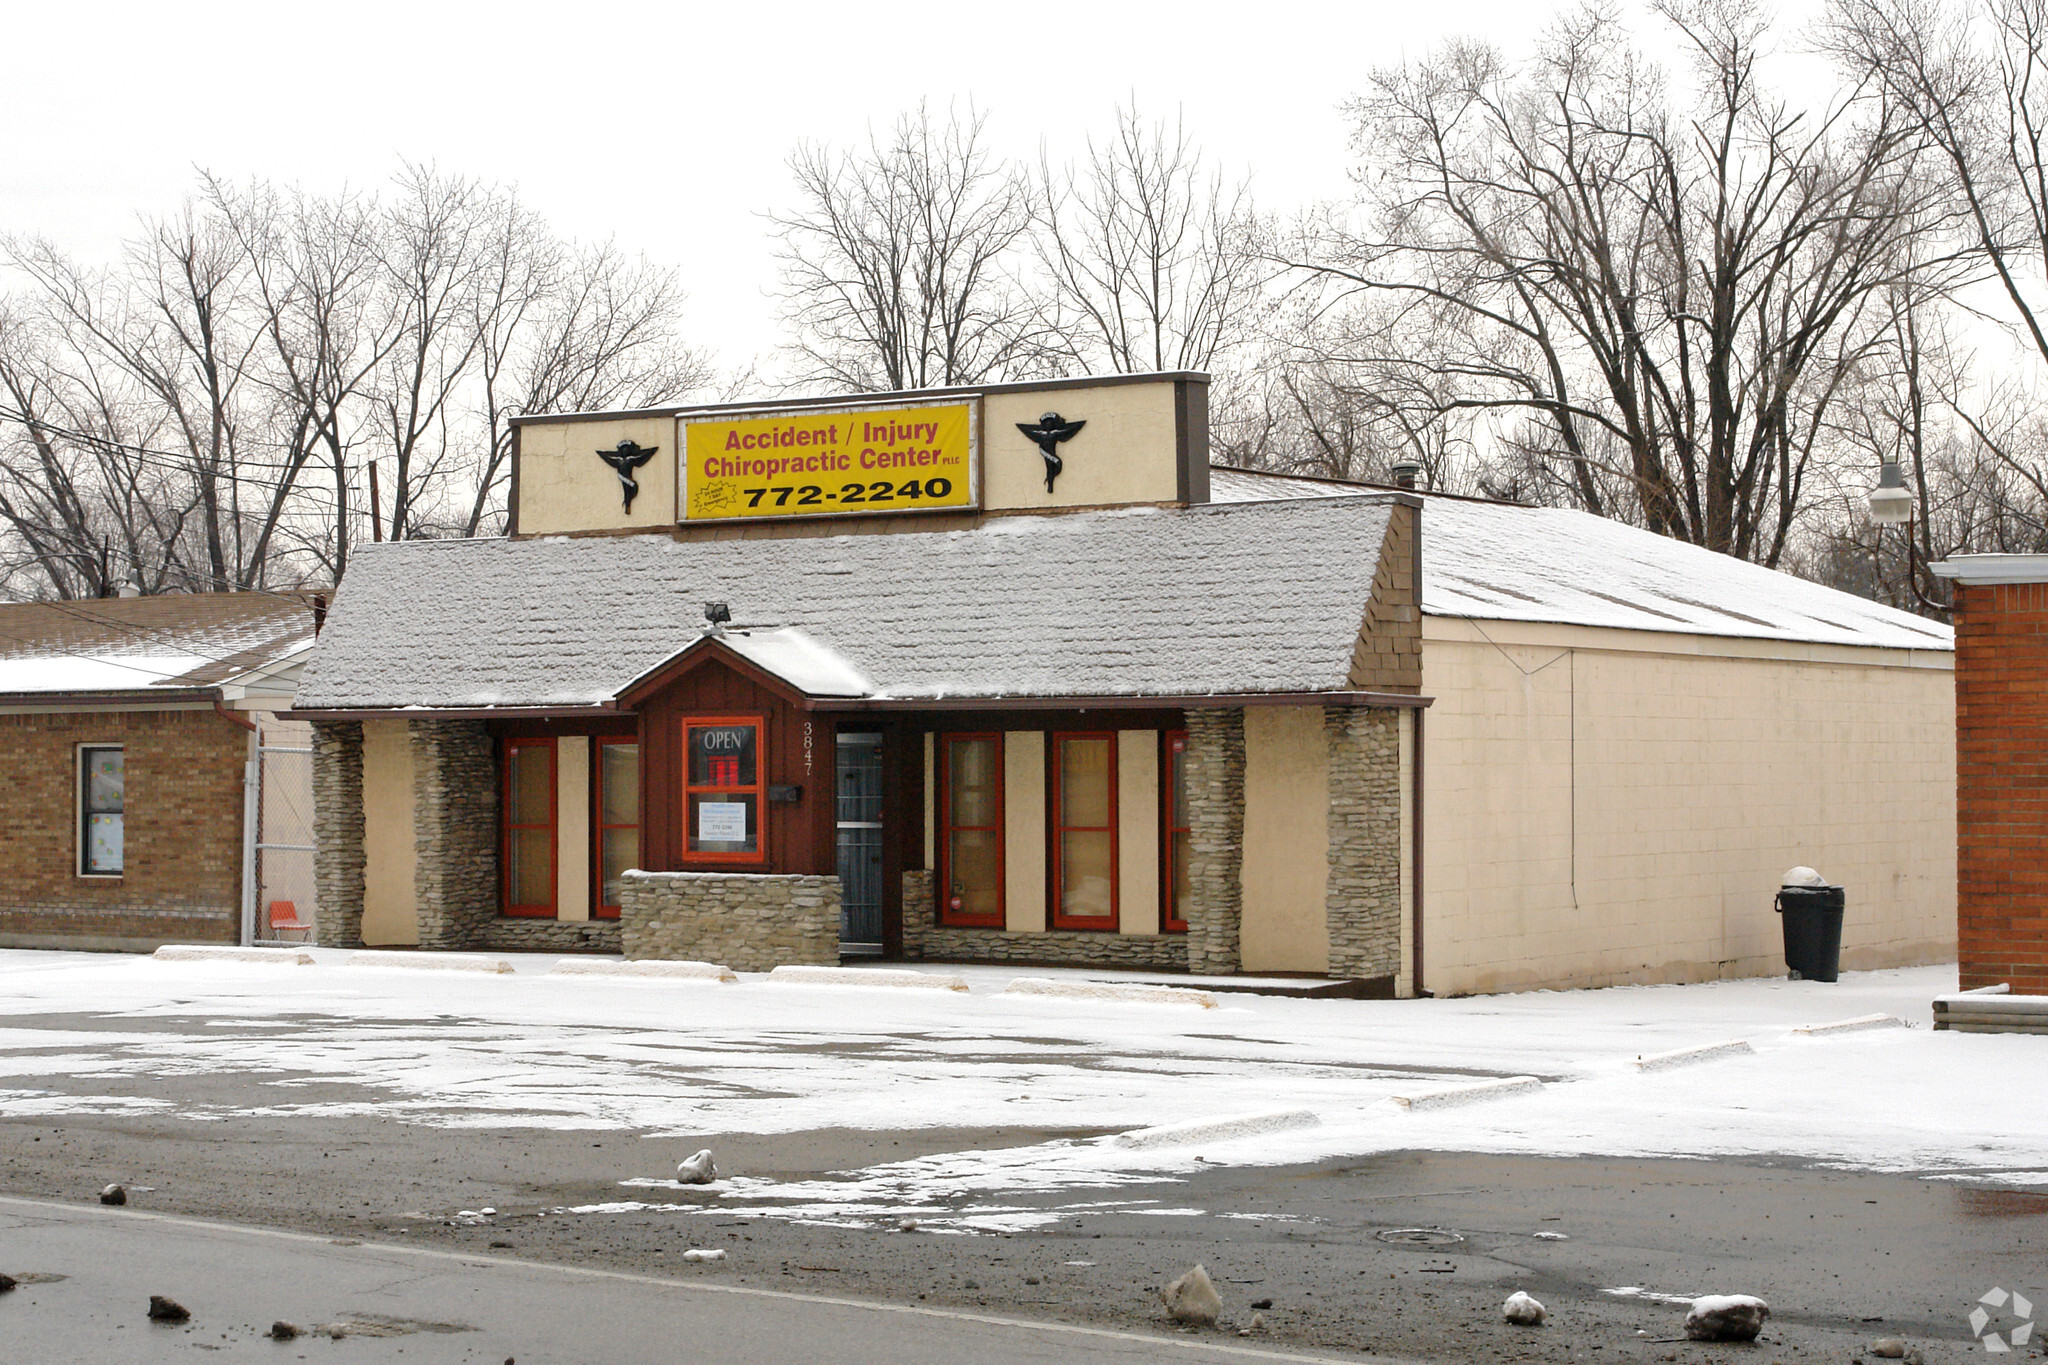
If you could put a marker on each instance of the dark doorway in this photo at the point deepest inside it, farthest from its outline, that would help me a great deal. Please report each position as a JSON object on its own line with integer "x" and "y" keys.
{"x": 859, "y": 789}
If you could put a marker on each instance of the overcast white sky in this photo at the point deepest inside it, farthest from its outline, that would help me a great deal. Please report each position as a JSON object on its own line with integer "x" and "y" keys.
{"x": 665, "y": 126}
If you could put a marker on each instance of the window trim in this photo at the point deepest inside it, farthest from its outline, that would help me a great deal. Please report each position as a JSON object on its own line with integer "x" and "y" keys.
{"x": 80, "y": 790}
{"x": 598, "y": 828}
{"x": 1172, "y": 916}
{"x": 535, "y": 910}
{"x": 1055, "y": 799}
{"x": 941, "y": 893}
{"x": 759, "y": 790}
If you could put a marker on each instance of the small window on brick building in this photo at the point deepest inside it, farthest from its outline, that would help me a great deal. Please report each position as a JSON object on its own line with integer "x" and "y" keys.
{"x": 102, "y": 779}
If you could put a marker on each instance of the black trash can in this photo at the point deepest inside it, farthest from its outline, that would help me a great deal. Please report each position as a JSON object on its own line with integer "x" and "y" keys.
{"x": 1813, "y": 930}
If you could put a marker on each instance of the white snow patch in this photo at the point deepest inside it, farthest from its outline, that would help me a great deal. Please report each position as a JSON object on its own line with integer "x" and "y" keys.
{"x": 96, "y": 672}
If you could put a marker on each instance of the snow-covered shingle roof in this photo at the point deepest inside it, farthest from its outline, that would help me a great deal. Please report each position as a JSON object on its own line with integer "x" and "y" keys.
{"x": 1263, "y": 597}
{"x": 145, "y": 644}
{"x": 1496, "y": 561}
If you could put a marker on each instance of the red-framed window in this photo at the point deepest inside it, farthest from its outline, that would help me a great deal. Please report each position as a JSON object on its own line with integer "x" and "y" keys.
{"x": 970, "y": 808}
{"x": 527, "y": 886}
{"x": 725, "y": 769}
{"x": 1173, "y": 831}
{"x": 1084, "y": 852}
{"x": 614, "y": 818}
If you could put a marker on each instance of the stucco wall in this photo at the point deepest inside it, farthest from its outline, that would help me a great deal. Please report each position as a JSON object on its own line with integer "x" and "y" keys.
{"x": 389, "y": 858}
{"x": 564, "y": 486}
{"x": 572, "y": 827}
{"x": 1125, "y": 453}
{"x": 1604, "y": 807}
{"x": 1286, "y": 840}
{"x": 1137, "y": 831}
{"x": 1024, "y": 831}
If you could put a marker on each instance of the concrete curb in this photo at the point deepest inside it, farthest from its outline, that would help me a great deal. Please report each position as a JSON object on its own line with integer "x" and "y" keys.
{"x": 203, "y": 952}
{"x": 662, "y": 970}
{"x": 1468, "y": 1094}
{"x": 866, "y": 976}
{"x": 431, "y": 962}
{"x": 1856, "y": 1025}
{"x": 1688, "y": 1056}
{"x": 1217, "y": 1130}
{"x": 1087, "y": 990}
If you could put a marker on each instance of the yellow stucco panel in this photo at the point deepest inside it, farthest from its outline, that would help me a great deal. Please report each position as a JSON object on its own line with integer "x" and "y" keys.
{"x": 1286, "y": 840}
{"x": 389, "y": 910}
{"x": 1024, "y": 831}
{"x": 572, "y": 827}
{"x": 564, "y": 486}
{"x": 1137, "y": 834}
{"x": 1126, "y": 452}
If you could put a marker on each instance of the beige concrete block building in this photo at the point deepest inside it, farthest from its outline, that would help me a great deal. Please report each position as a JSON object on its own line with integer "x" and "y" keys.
{"x": 1013, "y": 674}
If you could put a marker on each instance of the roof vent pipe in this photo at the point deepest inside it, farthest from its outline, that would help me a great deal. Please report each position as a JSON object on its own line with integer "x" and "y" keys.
{"x": 1406, "y": 472}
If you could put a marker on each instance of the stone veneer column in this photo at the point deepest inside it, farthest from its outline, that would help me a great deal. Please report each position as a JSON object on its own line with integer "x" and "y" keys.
{"x": 917, "y": 910}
{"x": 1215, "y": 780}
{"x": 1363, "y": 900}
{"x": 338, "y": 833}
{"x": 455, "y": 831}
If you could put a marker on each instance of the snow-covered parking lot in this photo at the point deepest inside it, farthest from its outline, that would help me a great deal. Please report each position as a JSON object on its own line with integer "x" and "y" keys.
{"x": 533, "y": 1049}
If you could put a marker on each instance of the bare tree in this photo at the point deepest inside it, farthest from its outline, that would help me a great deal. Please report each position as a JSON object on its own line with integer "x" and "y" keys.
{"x": 896, "y": 262}
{"x": 1153, "y": 262}
{"x": 1661, "y": 299}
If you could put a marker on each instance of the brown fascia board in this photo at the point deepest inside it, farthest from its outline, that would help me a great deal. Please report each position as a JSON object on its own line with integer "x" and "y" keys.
{"x": 1411, "y": 700}
{"x": 859, "y": 400}
{"x": 113, "y": 701}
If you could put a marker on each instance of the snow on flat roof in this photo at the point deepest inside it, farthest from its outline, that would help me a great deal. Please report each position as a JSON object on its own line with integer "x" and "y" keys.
{"x": 1264, "y": 597}
{"x": 1500, "y": 562}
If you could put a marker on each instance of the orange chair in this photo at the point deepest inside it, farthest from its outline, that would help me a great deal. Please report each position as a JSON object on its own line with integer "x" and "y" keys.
{"x": 284, "y": 919}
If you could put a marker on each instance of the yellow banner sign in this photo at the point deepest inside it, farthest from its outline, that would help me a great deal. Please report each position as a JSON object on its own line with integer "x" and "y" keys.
{"x": 829, "y": 463}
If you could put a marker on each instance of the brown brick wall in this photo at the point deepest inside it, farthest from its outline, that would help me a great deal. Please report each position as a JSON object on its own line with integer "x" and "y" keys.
{"x": 2002, "y": 785}
{"x": 182, "y": 834}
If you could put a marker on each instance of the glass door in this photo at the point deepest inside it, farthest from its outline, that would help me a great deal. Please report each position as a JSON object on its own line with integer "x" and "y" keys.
{"x": 859, "y": 787}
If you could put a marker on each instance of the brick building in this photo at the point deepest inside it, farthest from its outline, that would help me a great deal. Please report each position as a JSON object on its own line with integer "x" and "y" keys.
{"x": 127, "y": 731}
{"x": 1014, "y": 674}
{"x": 2001, "y": 616}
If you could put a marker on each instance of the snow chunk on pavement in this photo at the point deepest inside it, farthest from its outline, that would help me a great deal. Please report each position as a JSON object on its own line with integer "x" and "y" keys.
{"x": 1218, "y": 1130}
{"x": 1726, "y": 1317}
{"x": 1101, "y": 990}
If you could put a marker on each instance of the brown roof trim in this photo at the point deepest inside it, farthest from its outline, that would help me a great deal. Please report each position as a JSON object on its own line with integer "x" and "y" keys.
{"x": 1100, "y": 381}
{"x": 461, "y": 712}
{"x": 1124, "y": 703}
{"x": 139, "y": 700}
{"x": 1115, "y": 703}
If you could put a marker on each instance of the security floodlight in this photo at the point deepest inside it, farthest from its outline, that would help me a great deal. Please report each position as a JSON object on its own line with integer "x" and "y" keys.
{"x": 1890, "y": 503}
{"x": 717, "y": 613}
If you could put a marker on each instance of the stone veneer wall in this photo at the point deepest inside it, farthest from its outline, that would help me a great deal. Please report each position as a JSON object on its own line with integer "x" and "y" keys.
{"x": 749, "y": 922}
{"x": 923, "y": 939}
{"x": 1215, "y": 778}
{"x": 521, "y": 935}
{"x": 1363, "y": 900}
{"x": 455, "y": 832}
{"x": 338, "y": 833}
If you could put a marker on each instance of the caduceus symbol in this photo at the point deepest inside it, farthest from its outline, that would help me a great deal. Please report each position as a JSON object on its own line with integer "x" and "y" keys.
{"x": 629, "y": 456}
{"x": 1048, "y": 431}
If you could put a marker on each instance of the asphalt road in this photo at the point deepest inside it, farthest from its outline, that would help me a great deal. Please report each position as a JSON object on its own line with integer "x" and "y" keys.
{"x": 1404, "y": 1254}
{"x": 88, "y": 1274}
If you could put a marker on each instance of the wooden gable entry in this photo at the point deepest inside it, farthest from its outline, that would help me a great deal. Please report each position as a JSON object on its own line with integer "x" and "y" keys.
{"x": 796, "y": 751}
